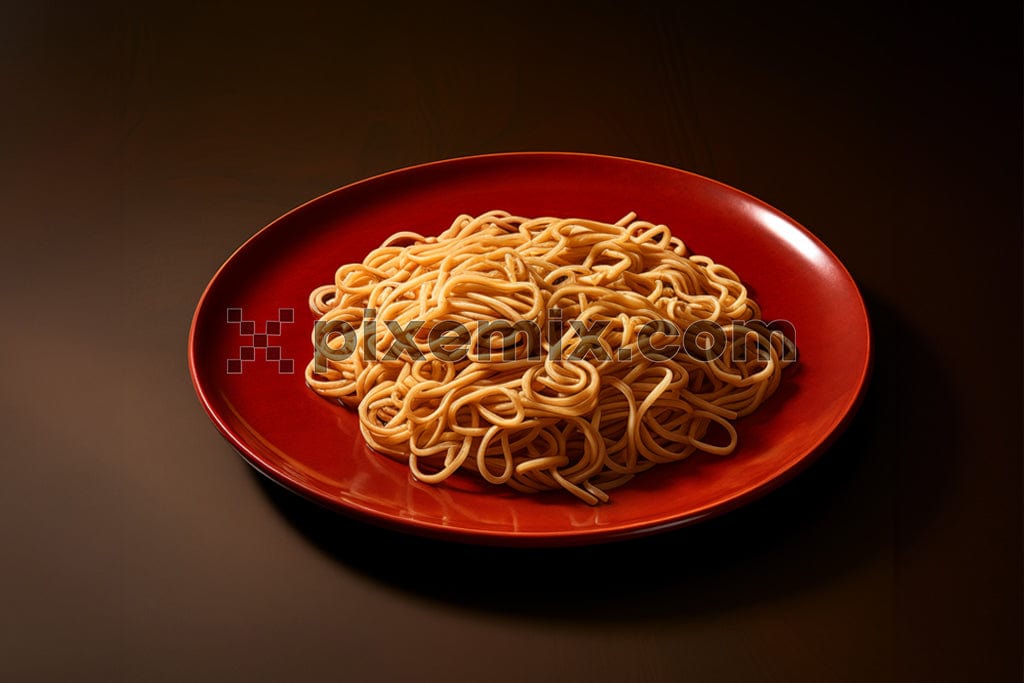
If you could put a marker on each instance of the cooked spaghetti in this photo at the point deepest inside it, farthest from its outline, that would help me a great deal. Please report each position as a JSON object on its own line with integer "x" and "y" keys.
{"x": 543, "y": 353}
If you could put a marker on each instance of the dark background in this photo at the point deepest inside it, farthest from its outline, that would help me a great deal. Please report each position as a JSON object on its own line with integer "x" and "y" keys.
{"x": 141, "y": 143}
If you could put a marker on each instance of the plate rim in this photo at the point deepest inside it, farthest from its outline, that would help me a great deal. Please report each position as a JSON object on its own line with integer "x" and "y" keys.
{"x": 503, "y": 537}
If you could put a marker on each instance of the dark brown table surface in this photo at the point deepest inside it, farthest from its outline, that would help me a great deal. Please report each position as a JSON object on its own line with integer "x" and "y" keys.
{"x": 140, "y": 143}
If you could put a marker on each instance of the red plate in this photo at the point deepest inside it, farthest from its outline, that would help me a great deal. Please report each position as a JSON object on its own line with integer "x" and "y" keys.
{"x": 250, "y": 341}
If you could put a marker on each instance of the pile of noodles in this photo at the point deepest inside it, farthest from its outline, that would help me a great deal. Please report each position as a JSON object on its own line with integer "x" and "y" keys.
{"x": 596, "y": 402}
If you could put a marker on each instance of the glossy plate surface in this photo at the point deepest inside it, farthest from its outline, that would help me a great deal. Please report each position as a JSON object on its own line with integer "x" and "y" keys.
{"x": 250, "y": 342}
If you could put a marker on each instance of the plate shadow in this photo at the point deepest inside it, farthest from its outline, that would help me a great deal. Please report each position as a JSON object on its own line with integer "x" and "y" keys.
{"x": 846, "y": 508}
